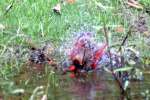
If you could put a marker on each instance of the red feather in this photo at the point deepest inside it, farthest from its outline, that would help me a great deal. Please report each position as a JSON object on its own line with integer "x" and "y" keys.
{"x": 71, "y": 68}
{"x": 99, "y": 53}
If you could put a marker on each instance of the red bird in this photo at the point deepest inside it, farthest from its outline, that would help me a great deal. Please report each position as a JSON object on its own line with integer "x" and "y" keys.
{"x": 85, "y": 55}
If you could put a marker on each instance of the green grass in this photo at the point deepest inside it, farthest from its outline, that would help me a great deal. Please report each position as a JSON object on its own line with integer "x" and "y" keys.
{"x": 31, "y": 15}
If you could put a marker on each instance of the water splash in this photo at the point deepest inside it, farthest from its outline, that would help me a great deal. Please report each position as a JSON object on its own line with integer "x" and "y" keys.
{"x": 83, "y": 53}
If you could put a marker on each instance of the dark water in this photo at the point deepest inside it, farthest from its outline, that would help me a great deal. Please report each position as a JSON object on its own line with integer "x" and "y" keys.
{"x": 96, "y": 86}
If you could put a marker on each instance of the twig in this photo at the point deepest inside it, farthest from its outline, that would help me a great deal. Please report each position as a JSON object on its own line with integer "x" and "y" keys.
{"x": 125, "y": 39}
{"x": 9, "y": 7}
{"x": 83, "y": 59}
{"x": 112, "y": 71}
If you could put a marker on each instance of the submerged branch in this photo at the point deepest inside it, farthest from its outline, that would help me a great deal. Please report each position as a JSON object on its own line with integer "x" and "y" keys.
{"x": 111, "y": 65}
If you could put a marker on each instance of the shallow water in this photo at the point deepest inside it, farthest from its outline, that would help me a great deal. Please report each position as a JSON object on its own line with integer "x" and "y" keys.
{"x": 96, "y": 86}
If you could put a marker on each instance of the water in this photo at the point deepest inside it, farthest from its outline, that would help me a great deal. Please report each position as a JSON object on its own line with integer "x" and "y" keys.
{"x": 96, "y": 86}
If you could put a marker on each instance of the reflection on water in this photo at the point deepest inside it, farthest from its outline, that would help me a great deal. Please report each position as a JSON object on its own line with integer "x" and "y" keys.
{"x": 88, "y": 89}
{"x": 96, "y": 86}
{"x": 101, "y": 86}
